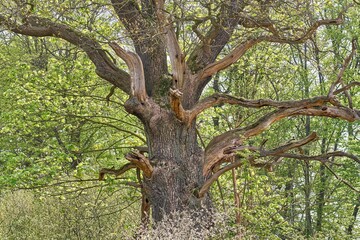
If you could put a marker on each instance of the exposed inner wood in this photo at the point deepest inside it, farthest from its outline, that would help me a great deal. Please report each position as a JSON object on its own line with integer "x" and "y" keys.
{"x": 136, "y": 69}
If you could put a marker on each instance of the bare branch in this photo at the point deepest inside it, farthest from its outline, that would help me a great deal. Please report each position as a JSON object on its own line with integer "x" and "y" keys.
{"x": 115, "y": 172}
{"x": 342, "y": 70}
{"x": 321, "y": 158}
{"x": 344, "y": 113}
{"x": 231, "y": 58}
{"x": 341, "y": 179}
{"x": 136, "y": 68}
{"x": 347, "y": 87}
{"x": 290, "y": 145}
{"x": 217, "y": 36}
{"x": 217, "y": 99}
{"x": 279, "y": 153}
{"x": 229, "y": 151}
{"x": 241, "y": 49}
{"x": 266, "y": 23}
{"x": 42, "y": 27}
{"x": 216, "y": 149}
{"x": 205, "y": 187}
{"x": 307, "y": 35}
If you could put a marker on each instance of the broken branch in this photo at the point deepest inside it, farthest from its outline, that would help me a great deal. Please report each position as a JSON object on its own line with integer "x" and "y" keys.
{"x": 176, "y": 106}
{"x": 177, "y": 58}
{"x": 136, "y": 69}
{"x": 141, "y": 162}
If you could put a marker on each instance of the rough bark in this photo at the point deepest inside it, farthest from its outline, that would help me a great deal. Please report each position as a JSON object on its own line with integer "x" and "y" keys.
{"x": 177, "y": 161}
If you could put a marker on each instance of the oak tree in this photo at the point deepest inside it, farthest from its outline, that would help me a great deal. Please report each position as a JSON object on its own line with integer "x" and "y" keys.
{"x": 172, "y": 50}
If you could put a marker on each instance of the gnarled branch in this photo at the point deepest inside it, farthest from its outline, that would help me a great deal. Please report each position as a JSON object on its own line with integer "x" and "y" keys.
{"x": 218, "y": 98}
{"x": 137, "y": 160}
{"x": 241, "y": 49}
{"x": 279, "y": 153}
{"x": 227, "y": 152}
{"x": 215, "y": 151}
{"x": 43, "y": 27}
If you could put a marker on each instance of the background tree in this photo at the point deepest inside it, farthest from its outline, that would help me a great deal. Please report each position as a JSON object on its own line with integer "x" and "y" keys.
{"x": 200, "y": 40}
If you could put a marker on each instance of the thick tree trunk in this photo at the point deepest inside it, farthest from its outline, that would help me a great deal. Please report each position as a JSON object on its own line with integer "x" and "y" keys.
{"x": 177, "y": 162}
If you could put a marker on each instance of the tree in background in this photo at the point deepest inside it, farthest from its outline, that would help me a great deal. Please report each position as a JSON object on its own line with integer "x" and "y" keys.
{"x": 172, "y": 51}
